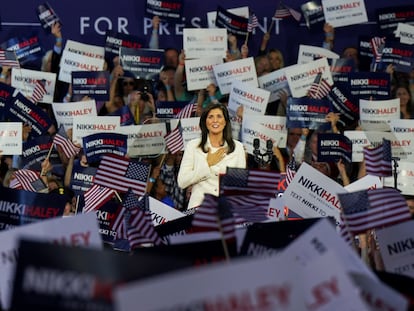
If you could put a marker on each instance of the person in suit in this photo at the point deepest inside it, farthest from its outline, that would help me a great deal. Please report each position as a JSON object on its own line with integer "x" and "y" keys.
{"x": 207, "y": 157}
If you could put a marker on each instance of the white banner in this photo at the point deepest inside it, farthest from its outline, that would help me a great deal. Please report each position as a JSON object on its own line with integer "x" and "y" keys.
{"x": 78, "y": 56}
{"x": 253, "y": 99}
{"x": 146, "y": 139}
{"x": 199, "y": 72}
{"x": 300, "y": 77}
{"x": 24, "y": 80}
{"x": 87, "y": 125}
{"x": 341, "y": 13}
{"x": 375, "y": 115}
{"x": 308, "y": 53}
{"x": 65, "y": 112}
{"x": 275, "y": 82}
{"x": 11, "y": 138}
{"x": 204, "y": 42}
{"x": 312, "y": 194}
{"x": 81, "y": 230}
{"x": 243, "y": 70}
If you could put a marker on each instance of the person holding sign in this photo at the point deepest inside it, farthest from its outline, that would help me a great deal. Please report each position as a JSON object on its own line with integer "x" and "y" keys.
{"x": 207, "y": 157}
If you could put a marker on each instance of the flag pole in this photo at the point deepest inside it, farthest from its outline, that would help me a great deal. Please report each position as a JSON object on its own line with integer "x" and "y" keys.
{"x": 271, "y": 25}
{"x": 247, "y": 38}
{"x": 223, "y": 241}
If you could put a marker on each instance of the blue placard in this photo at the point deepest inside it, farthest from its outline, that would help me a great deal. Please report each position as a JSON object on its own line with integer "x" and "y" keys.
{"x": 94, "y": 84}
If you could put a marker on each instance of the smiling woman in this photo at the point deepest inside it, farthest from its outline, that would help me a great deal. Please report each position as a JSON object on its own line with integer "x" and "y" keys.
{"x": 207, "y": 157}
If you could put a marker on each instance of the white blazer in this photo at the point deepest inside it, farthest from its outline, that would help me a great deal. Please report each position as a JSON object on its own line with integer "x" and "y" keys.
{"x": 194, "y": 170}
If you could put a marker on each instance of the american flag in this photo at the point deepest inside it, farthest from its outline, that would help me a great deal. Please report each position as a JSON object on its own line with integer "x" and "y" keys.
{"x": 244, "y": 181}
{"x": 377, "y": 45}
{"x": 212, "y": 215}
{"x": 378, "y": 160}
{"x": 319, "y": 88}
{"x": 9, "y": 59}
{"x": 344, "y": 232}
{"x": 119, "y": 173}
{"x": 248, "y": 208}
{"x": 95, "y": 197}
{"x": 62, "y": 140}
{"x": 174, "y": 139}
{"x": 27, "y": 180}
{"x": 369, "y": 209}
{"x": 38, "y": 91}
{"x": 120, "y": 223}
{"x": 291, "y": 169}
{"x": 252, "y": 23}
{"x": 283, "y": 11}
{"x": 188, "y": 111}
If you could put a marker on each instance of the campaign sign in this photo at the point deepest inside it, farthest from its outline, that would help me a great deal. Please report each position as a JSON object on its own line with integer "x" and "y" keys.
{"x": 80, "y": 231}
{"x": 47, "y": 16}
{"x": 36, "y": 150}
{"x": 405, "y": 178}
{"x": 190, "y": 129}
{"x": 204, "y": 42}
{"x": 86, "y": 281}
{"x": 398, "y": 54}
{"x": 87, "y": 125}
{"x": 27, "y": 49}
{"x": 389, "y": 17}
{"x": 339, "y": 13}
{"x": 94, "y": 84}
{"x": 342, "y": 104}
{"x": 333, "y": 147}
{"x": 365, "y": 183}
{"x": 276, "y": 83}
{"x": 235, "y": 24}
{"x": 375, "y": 115}
{"x": 243, "y": 70}
{"x": 253, "y": 99}
{"x": 309, "y": 53}
{"x": 162, "y": 213}
{"x": 115, "y": 40}
{"x": 342, "y": 66}
{"x": 406, "y": 33}
{"x": 10, "y": 138}
{"x": 364, "y": 85}
{"x": 146, "y": 139}
{"x": 359, "y": 140}
{"x": 402, "y": 126}
{"x": 313, "y": 15}
{"x": 64, "y": 112}
{"x": 127, "y": 118}
{"x": 169, "y": 109}
{"x": 312, "y": 194}
{"x": 82, "y": 178}
{"x": 307, "y": 112}
{"x": 23, "y": 110}
{"x": 78, "y": 56}
{"x": 106, "y": 216}
{"x": 300, "y": 77}
{"x": 6, "y": 94}
{"x": 20, "y": 207}
{"x": 99, "y": 144}
{"x": 395, "y": 244}
{"x": 142, "y": 63}
{"x": 211, "y": 15}
{"x": 168, "y": 9}
{"x": 199, "y": 72}
{"x": 25, "y": 80}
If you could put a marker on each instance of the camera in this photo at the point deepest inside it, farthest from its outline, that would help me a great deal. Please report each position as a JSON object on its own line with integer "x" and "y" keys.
{"x": 144, "y": 93}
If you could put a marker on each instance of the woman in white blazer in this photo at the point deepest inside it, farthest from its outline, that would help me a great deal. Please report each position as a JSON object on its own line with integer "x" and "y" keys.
{"x": 207, "y": 157}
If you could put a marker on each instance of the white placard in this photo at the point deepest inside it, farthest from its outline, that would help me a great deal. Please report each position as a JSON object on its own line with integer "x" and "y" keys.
{"x": 145, "y": 139}
{"x": 78, "y": 56}
{"x": 308, "y": 53}
{"x": 312, "y": 194}
{"x": 65, "y": 112}
{"x": 80, "y": 230}
{"x": 276, "y": 83}
{"x": 24, "y": 80}
{"x": 11, "y": 138}
{"x": 204, "y": 42}
{"x": 396, "y": 248}
{"x": 190, "y": 129}
{"x": 375, "y": 115}
{"x": 199, "y": 72}
{"x": 364, "y": 183}
{"x": 405, "y": 178}
{"x": 162, "y": 213}
{"x": 402, "y": 125}
{"x": 405, "y": 32}
{"x": 341, "y": 13}
{"x": 300, "y": 77}
{"x": 253, "y": 99}
{"x": 87, "y": 125}
{"x": 243, "y": 70}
